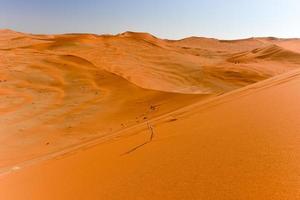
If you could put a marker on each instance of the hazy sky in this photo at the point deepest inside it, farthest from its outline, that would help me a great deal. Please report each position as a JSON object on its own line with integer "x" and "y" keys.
{"x": 164, "y": 18}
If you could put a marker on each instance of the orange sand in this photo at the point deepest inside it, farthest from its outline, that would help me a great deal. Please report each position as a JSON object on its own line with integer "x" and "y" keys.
{"x": 132, "y": 116}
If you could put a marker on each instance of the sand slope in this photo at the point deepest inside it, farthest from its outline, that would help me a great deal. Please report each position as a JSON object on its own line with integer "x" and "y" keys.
{"x": 61, "y": 93}
{"x": 242, "y": 145}
{"x": 50, "y": 101}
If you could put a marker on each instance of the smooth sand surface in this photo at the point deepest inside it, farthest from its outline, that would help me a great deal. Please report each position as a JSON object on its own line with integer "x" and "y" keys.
{"x": 132, "y": 116}
{"x": 242, "y": 145}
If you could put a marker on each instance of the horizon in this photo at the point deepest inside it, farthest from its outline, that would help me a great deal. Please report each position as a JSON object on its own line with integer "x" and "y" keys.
{"x": 226, "y": 20}
{"x": 137, "y": 32}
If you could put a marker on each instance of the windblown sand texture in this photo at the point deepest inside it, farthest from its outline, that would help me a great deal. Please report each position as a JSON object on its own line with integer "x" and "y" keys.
{"x": 132, "y": 116}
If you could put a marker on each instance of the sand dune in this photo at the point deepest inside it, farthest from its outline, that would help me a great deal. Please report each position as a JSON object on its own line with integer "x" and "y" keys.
{"x": 164, "y": 65}
{"x": 199, "y": 152}
{"x": 51, "y": 101}
{"x": 61, "y": 94}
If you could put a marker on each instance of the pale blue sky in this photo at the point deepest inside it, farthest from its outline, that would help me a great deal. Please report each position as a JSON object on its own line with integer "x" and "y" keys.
{"x": 225, "y": 19}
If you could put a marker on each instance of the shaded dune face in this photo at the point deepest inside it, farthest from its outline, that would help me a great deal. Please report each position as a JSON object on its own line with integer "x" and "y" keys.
{"x": 58, "y": 91}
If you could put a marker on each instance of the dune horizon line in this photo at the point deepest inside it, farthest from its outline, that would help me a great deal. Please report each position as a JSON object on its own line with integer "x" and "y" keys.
{"x": 154, "y": 35}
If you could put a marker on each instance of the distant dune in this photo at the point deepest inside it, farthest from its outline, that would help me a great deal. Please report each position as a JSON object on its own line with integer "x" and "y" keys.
{"x": 207, "y": 131}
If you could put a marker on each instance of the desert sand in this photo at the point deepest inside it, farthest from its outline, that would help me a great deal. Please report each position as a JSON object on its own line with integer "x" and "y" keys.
{"x": 132, "y": 116}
